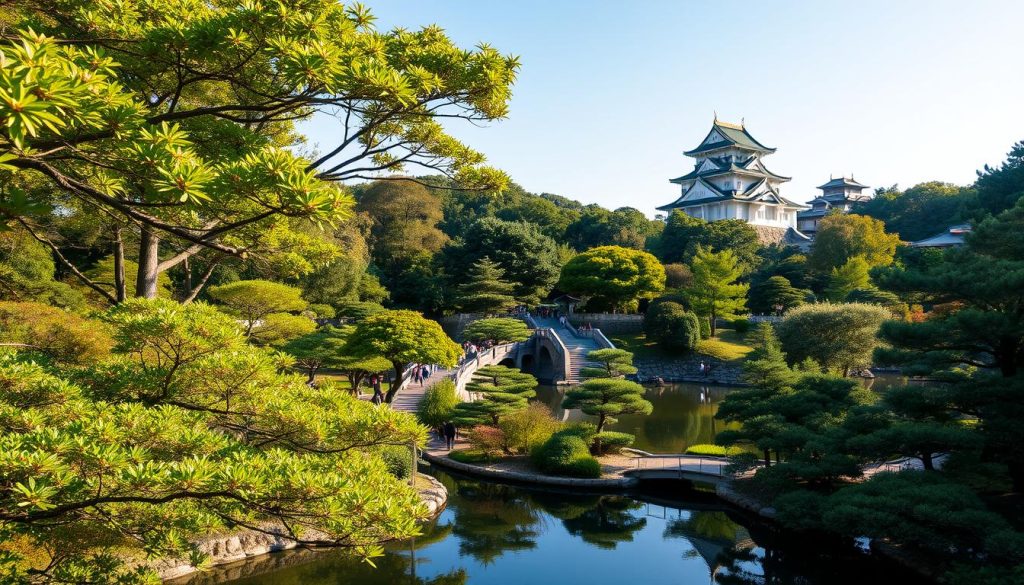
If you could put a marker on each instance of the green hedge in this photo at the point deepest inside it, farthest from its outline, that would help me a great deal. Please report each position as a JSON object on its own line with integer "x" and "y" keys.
{"x": 613, "y": 442}
{"x": 398, "y": 460}
{"x": 567, "y": 453}
{"x": 713, "y": 450}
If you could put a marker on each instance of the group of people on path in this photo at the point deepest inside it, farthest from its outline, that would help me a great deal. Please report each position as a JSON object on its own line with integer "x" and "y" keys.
{"x": 421, "y": 372}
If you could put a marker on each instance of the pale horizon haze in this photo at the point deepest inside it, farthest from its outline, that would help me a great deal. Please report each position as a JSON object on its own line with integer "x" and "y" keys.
{"x": 611, "y": 93}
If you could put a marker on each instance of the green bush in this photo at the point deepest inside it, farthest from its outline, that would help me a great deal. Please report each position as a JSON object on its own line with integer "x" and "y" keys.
{"x": 670, "y": 325}
{"x": 613, "y": 442}
{"x": 566, "y": 453}
{"x": 398, "y": 459}
{"x": 321, "y": 311}
{"x": 527, "y": 428}
{"x": 472, "y": 456}
{"x": 741, "y": 325}
{"x": 438, "y": 403}
{"x": 705, "y": 328}
{"x": 713, "y": 450}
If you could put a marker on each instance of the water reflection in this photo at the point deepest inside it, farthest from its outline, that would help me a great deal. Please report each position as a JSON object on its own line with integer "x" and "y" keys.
{"x": 494, "y": 534}
{"x": 684, "y": 414}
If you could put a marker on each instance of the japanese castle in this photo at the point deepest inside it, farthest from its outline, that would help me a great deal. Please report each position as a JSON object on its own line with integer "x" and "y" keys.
{"x": 730, "y": 181}
{"x": 839, "y": 194}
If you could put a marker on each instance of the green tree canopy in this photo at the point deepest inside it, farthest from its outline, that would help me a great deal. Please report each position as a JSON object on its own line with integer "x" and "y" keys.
{"x": 842, "y": 236}
{"x": 529, "y": 258}
{"x": 191, "y": 430}
{"x": 606, "y": 398}
{"x": 715, "y": 293}
{"x": 669, "y": 324}
{"x": 498, "y": 391}
{"x": 613, "y": 276}
{"x": 181, "y": 116}
{"x": 626, "y": 226}
{"x": 845, "y": 279}
{"x": 252, "y": 301}
{"x": 920, "y": 211}
{"x": 839, "y": 337}
{"x": 1000, "y": 188}
{"x": 683, "y": 234}
{"x": 775, "y": 291}
{"x": 319, "y": 349}
{"x": 485, "y": 290}
{"x": 402, "y": 337}
{"x": 497, "y": 330}
{"x": 51, "y": 334}
{"x": 615, "y": 363}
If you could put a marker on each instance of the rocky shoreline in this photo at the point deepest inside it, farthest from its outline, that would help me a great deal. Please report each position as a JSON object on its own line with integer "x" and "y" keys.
{"x": 233, "y": 547}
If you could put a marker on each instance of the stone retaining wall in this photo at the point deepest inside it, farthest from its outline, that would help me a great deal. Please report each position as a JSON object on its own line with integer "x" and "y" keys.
{"x": 610, "y": 323}
{"x": 239, "y": 545}
{"x": 687, "y": 369}
{"x": 531, "y": 478}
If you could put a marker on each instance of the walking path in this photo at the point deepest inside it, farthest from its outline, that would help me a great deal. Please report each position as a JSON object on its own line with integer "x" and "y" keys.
{"x": 408, "y": 398}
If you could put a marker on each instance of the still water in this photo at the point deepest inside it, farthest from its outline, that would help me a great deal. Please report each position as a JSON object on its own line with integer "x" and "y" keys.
{"x": 684, "y": 414}
{"x": 493, "y": 534}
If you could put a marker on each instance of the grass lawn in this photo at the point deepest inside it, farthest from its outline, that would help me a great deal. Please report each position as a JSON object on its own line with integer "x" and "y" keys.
{"x": 728, "y": 346}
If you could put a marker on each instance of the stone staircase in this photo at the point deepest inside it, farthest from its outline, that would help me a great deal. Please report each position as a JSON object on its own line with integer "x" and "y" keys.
{"x": 578, "y": 347}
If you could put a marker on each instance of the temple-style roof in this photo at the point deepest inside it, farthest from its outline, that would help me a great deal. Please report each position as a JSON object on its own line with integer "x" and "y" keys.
{"x": 727, "y": 135}
{"x": 714, "y": 166}
{"x": 843, "y": 182}
{"x": 761, "y": 191}
{"x": 953, "y": 236}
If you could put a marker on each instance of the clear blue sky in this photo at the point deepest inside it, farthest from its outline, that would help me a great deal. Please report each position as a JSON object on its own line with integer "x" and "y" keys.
{"x": 611, "y": 93}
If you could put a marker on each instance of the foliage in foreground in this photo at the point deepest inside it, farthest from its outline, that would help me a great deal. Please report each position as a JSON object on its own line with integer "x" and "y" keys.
{"x": 183, "y": 430}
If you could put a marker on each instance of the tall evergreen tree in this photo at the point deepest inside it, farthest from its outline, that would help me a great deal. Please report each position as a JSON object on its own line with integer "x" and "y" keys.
{"x": 715, "y": 293}
{"x": 485, "y": 290}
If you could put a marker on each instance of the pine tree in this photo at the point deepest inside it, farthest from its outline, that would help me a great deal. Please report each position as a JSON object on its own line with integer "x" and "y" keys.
{"x": 847, "y": 278}
{"x": 501, "y": 391}
{"x": 714, "y": 293}
{"x": 485, "y": 291}
{"x": 607, "y": 397}
{"x": 615, "y": 363}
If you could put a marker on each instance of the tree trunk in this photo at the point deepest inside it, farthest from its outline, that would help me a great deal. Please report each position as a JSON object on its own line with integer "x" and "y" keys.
{"x": 120, "y": 288}
{"x": 926, "y": 461}
{"x": 767, "y": 458}
{"x": 714, "y": 319}
{"x": 399, "y": 372}
{"x": 312, "y": 376}
{"x": 187, "y": 267}
{"x": 149, "y": 260}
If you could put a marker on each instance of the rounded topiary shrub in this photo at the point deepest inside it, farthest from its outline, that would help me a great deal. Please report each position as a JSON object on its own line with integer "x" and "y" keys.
{"x": 566, "y": 453}
{"x": 613, "y": 442}
{"x": 670, "y": 325}
{"x": 741, "y": 325}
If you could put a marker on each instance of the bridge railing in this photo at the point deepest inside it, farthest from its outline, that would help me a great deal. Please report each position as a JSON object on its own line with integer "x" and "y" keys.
{"x": 470, "y": 364}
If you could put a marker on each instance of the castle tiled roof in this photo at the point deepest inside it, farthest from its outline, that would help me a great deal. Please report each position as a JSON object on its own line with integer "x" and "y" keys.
{"x": 734, "y": 135}
{"x": 843, "y": 182}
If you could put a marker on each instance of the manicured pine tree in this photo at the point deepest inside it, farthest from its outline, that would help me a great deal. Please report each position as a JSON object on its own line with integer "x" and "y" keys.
{"x": 500, "y": 390}
{"x": 607, "y": 398}
{"x": 615, "y": 363}
{"x": 497, "y": 330}
{"x": 485, "y": 291}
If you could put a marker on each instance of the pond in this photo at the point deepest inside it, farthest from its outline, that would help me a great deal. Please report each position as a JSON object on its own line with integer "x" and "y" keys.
{"x": 684, "y": 414}
{"x": 493, "y": 534}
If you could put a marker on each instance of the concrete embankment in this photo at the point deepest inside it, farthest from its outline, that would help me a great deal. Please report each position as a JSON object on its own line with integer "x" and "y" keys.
{"x": 236, "y": 546}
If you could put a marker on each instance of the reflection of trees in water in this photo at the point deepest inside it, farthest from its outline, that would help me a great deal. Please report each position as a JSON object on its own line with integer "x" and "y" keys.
{"x": 334, "y": 568}
{"x": 492, "y": 519}
{"x": 603, "y": 521}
